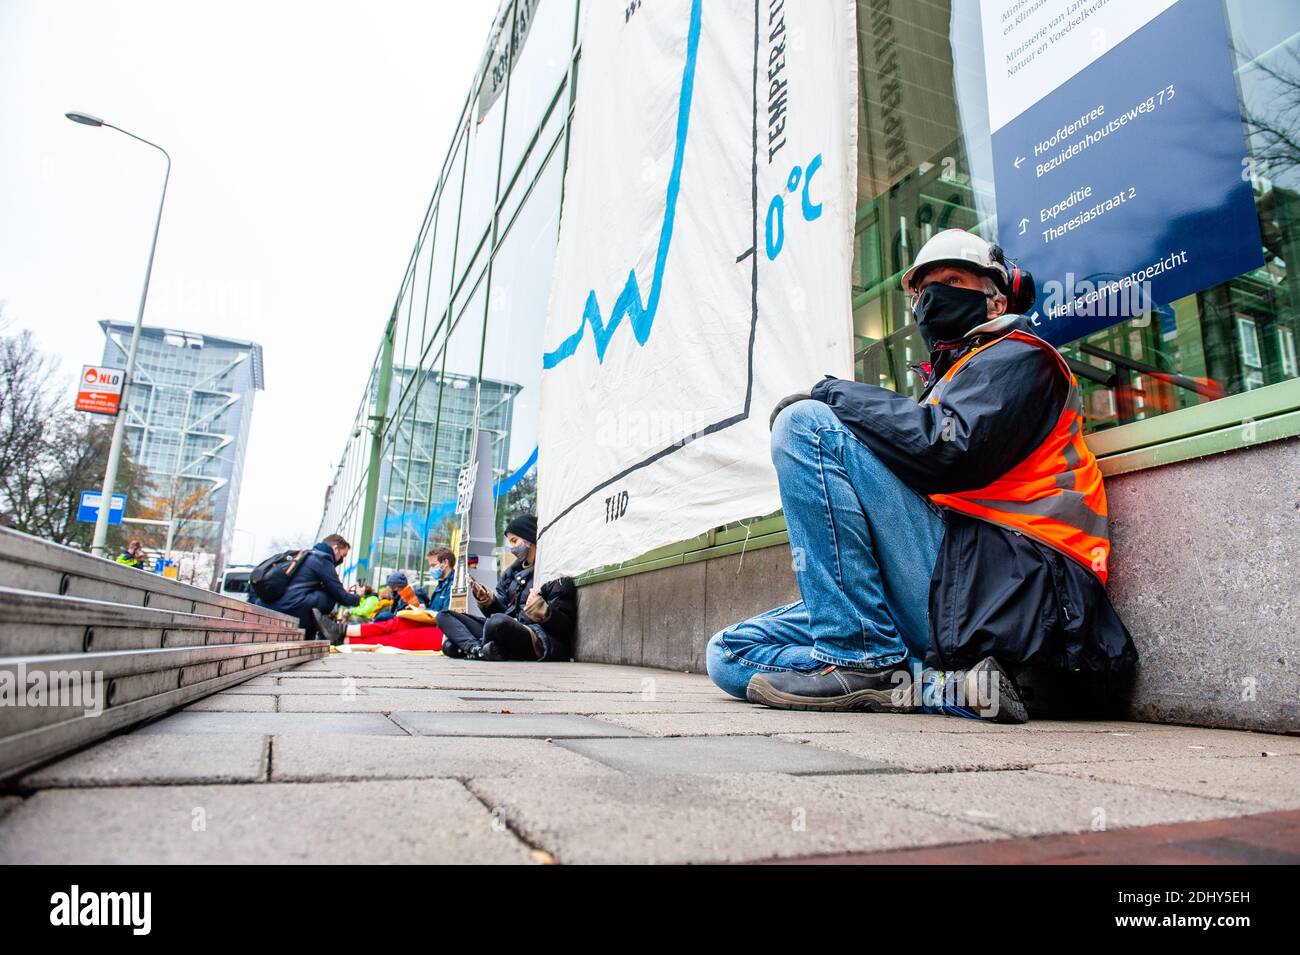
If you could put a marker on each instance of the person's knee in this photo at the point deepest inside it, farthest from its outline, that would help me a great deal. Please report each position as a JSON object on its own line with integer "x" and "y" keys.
{"x": 725, "y": 670}
{"x": 799, "y": 422}
{"x": 496, "y": 623}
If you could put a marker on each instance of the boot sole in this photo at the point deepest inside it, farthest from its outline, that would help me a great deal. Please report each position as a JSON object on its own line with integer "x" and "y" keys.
{"x": 1011, "y": 708}
{"x": 873, "y": 701}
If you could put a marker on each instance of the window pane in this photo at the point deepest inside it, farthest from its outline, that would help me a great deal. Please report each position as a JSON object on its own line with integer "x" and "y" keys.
{"x": 540, "y": 66}
{"x": 512, "y": 367}
{"x": 925, "y": 164}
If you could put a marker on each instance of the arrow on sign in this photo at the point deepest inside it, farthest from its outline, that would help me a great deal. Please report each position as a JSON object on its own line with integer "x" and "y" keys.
{"x": 1023, "y": 223}
{"x": 1019, "y": 160}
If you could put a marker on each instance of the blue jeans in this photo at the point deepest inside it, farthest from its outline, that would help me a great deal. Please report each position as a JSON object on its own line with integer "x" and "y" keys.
{"x": 864, "y": 545}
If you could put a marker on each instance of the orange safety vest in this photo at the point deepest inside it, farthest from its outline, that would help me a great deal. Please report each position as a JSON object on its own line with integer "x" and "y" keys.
{"x": 1055, "y": 495}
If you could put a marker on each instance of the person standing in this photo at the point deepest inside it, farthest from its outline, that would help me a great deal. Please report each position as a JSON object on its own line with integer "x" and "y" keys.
{"x": 134, "y": 555}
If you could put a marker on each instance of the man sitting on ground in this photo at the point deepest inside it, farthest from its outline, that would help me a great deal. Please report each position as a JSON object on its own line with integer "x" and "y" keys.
{"x": 968, "y": 529}
{"x": 442, "y": 572}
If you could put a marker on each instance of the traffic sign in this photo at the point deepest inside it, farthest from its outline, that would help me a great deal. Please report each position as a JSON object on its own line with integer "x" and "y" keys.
{"x": 100, "y": 389}
{"x": 88, "y": 509}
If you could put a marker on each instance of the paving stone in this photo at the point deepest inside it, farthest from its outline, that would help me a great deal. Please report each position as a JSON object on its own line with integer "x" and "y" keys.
{"x": 745, "y": 720}
{"x": 558, "y": 726}
{"x": 333, "y": 685}
{"x": 365, "y": 724}
{"x": 922, "y": 752}
{"x": 7, "y": 803}
{"x": 325, "y": 757}
{"x": 1051, "y": 747}
{"x": 145, "y": 760}
{"x": 321, "y": 688}
{"x": 233, "y": 703}
{"x": 719, "y": 754}
{"x": 1197, "y": 741}
{"x": 375, "y": 701}
{"x": 598, "y": 703}
{"x": 424, "y": 821}
{"x": 943, "y": 752}
{"x": 1272, "y": 781}
{"x": 718, "y": 818}
{"x": 1030, "y": 803}
{"x": 751, "y": 719}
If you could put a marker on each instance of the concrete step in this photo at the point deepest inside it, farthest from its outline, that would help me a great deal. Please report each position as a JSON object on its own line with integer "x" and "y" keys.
{"x": 89, "y": 647}
{"x": 40, "y": 623}
{"x": 29, "y": 563}
{"x": 121, "y": 692}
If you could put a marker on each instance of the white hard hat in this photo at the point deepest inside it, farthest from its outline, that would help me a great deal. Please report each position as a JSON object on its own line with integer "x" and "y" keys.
{"x": 957, "y": 247}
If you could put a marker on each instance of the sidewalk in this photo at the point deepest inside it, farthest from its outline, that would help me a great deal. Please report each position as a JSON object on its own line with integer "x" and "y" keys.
{"x": 362, "y": 758}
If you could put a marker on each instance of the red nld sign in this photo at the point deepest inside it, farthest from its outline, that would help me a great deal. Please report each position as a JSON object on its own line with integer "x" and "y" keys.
{"x": 100, "y": 389}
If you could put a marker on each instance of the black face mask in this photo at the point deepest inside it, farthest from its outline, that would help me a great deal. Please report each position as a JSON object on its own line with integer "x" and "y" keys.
{"x": 945, "y": 313}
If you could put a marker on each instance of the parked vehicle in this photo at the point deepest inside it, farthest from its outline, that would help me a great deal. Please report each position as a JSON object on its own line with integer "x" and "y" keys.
{"x": 234, "y": 581}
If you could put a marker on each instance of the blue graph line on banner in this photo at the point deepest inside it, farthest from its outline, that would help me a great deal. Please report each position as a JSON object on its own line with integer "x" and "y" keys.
{"x": 641, "y": 315}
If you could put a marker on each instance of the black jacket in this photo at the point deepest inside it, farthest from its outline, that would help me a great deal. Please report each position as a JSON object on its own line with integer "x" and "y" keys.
{"x": 317, "y": 573}
{"x": 561, "y": 595}
{"x": 994, "y": 590}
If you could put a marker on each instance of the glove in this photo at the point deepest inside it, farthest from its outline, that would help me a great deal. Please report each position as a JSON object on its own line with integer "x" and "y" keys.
{"x": 781, "y": 405}
{"x": 537, "y": 608}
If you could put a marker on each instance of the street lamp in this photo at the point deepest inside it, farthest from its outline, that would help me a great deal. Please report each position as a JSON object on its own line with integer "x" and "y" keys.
{"x": 100, "y": 539}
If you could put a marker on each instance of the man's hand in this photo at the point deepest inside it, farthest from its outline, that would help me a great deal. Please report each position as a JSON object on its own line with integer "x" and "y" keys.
{"x": 537, "y": 608}
{"x": 781, "y": 406}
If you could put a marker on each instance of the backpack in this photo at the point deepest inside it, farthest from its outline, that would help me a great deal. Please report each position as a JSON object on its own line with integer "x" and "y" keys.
{"x": 271, "y": 578}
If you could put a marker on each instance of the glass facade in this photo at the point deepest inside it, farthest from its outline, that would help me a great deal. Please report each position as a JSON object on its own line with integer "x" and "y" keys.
{"x": 187, "y": 415}
{"x": 467, "y": 326}
{"x": 466, "y": 332}
{"x": 925, "y": 163}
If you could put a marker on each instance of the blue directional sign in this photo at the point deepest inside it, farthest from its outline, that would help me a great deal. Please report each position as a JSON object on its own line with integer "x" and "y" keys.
{"x": 88, "y": 509}
{"x": 1127, "y": 186}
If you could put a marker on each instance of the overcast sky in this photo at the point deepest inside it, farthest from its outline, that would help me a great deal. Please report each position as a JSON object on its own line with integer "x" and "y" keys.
{"x": 305, "y": 141}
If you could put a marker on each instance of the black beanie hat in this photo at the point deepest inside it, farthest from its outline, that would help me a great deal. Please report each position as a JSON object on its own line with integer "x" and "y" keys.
{"x": 524, "y": 526}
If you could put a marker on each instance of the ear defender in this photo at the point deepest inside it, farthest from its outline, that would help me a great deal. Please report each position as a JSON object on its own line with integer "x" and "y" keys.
{"x": 1021, "y": 291}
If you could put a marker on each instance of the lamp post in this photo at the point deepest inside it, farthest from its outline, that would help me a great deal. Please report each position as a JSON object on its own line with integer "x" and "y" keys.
{"x": 119, "y": 424}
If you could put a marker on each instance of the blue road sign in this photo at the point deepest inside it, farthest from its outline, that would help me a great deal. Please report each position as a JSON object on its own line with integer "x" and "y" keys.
{"x": 88, "y": 509}
{"x": 1127, "y": 186}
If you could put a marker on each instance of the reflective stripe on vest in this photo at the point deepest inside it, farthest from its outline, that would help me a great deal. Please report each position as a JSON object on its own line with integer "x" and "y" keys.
{"x": 1054, "y": 495}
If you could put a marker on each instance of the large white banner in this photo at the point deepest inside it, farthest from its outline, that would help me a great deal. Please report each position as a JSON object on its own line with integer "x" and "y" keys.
{"x": 703, "y": 270}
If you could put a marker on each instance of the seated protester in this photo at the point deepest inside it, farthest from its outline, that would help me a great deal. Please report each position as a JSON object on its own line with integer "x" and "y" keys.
{"x": 316, "y": 585}
{"x": 385, "y": 602}
{"x": 967, "y": 529}
{"x": 369, "y": 603}
{"x": 414, "y": 628}
{"x": 134, "y": 555}
{"x": 442, "y": 568}
{"x": 395, "y": 583}
{"x": 523, "y": 622}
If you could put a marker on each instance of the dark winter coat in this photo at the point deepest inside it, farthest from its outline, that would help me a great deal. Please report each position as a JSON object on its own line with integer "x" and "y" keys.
{"x": 561, "y": 595}
{"x": 317, "y": 573}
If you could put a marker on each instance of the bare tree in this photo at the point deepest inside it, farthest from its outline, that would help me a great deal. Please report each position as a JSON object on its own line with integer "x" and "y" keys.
{"x": 49, "y": 453}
